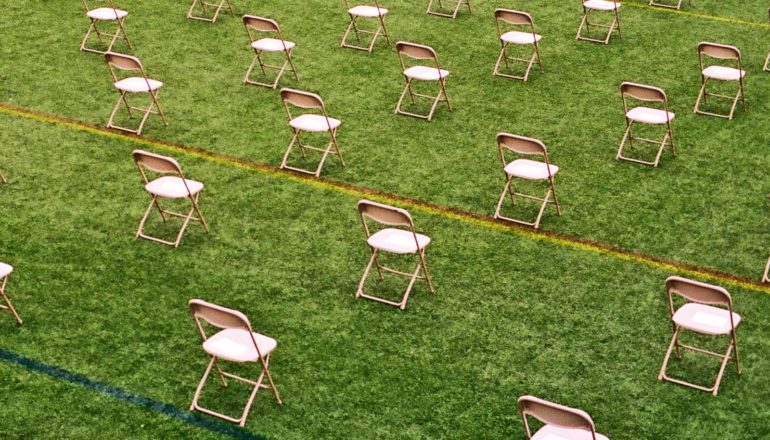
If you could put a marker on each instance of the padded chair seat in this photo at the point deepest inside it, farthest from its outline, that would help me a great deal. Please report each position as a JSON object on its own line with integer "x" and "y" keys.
{"x": 550, "y": 432}
{"x": 397, "y": 241}
{"x": 137, "y": 84}
{"x": 601, "y": 5}
{"x": 172, "y": 187}
{"x": 367, "y": 11}
{"x": 530, "y": 169}
{"x": 106, "y": 14}
{"x": 648, "y": 115}
{"x": 271, "y": 45}
{"x": 235, "y": 345}
{"x": 5, "y": 269}
{"x": 723, "y": 73}
{"x": 705, "y": 319}
{"x": 315, "y": 123}
{"x": 425, "y": 73}
{"x": 516, "y": 37}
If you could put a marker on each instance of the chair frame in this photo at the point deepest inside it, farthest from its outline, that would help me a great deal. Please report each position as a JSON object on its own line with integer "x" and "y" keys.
{"x": 382, "y": 30}
{"x": 554, "y": 414}
{"x": 231, "y": 319}
{"x": 722, "y": 52}
{"x": 8, "y": 306}
{"x": 701, "y": 293}
{"x": 526, "y": 146}
{"x": 766, "y": 67}
{"x": 515, "y": 18}
{"x": 129, "y": 63}
{"x": 166, "y": 166}
{"x": 419, "y": 52}
{"x": 253, "y": 23}
{"x": 646, "y": 93}
{"x": 204, "y": 5}
{"x": 766, "y": 273}
{"x": 676, "y": 5}
{"x": 391, "y": 216}
{"x": 120, "y": 32}
{"x": 453, "y": 14}
{"x": 614, "y": 25}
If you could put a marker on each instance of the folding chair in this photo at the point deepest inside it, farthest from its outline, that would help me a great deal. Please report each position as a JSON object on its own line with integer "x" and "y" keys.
{"x": 5, "y": 270}
{"x": 258, "y": 24}
{"x": 170, "y": 185}
{"x": 599, "y": 6}
{"x": 404, "y": 241}
{"x": 361, "y": 12}
{"x": 645, "y": 115}
{"x": 236, "y": 342}
{"x": 130, "y": 85}
{"x": 699, "y": 315}
{"x": 518, "y": 38}
{"x": 449, "y": 11}
{"x": 559, "y": 422}
{"x": 107, "y": 13}
{"x": 204, "y": 10}
{"x": 526, "y": 169}
{"x": 720, "y": 73}
{"x": 675, "y": 4}
{"x": 421, "y": 73}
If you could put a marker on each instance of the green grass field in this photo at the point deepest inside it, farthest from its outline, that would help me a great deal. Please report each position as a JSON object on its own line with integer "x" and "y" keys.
{"x": 513, "y": 313}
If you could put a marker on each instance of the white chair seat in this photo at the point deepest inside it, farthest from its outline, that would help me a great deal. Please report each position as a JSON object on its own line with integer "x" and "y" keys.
{"x": 705, "y": 319}
{"x": 550, "y": 432}
{"x": 601, "y": 5}
{"x": 367, "y": 11}
{"x": 106, "y": 14}
{"x": 425, "y": 73}
{"x": 530, "y": 169}
{"x": 137, "y": 84}
{"x": 235, "y": 345}
{"x": 271, "y": 45}
{"x": 723, "y": 73}
{"x": 172, "y": 187}
{"x": 397, "y": 241}
{"x": 315, "y": 123}
{"x": 5, "y": 269}
{"x": 516, "y": 37}
{"x": 648, "y": 115}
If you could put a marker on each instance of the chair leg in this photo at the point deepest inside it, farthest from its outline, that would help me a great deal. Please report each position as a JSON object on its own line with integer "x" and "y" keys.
{"x": 701, "y": 94}
{"x": 372, "y": 259}
{"x": 502, "y": 197}
{"x": 7, "y": 302}
{"x": 199, "y": 389}
{"x": 2, "y": 178}
{"x": 288, "y": 150}
{"x": 664, "y": 367}
{"x": 421, "y": 254}
{"x": 765, "y": 278}
{"x": 555, "y": 199}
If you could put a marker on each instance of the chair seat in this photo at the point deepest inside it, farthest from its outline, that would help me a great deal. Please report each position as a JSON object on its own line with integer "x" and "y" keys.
{"x": 235, "y": 345}
{"x": 425, "y": 73}
{"x": 5, "y": 270}
{"x": 550, "y": 432}
{"x": 530, "y": 169}
{"x": 315, "y": 123}
{"x": 137, "y": 84}
{"x": 271, "y": 45}
{"x": 705, "y": 319}
{"x": 367, "y": 11}
{"x": 723, "y": 73}
{"x": 601, "y": 5}
{"x": 397, "y": 241}
{"x": 648, "y": 115}
{"x": 173, "y": 187}
{"x": 106, "y": 14}
{"x": 516, "y": 37}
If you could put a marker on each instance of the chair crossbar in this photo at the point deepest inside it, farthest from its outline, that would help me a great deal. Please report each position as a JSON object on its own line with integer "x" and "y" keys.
{"x": 398, "y": 272}
{"x": 706, "y": 352}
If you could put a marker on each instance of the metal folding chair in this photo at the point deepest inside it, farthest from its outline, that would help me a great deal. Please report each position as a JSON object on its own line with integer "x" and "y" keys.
{"x": 645, "y": 115}
{"x": 421, "y": 73}
{"x": 559, "y": 422}
{"x": 105, "y": 14}
{"x": 450, "y": 11}
{"x": 5, "y": 271}
{"x": 256, "y": 25}
{"x": 309, "y": 123}
{"x": 674, "y": 4}
{"x": 511, "y": 36}
{"x": 720, "y": 73}
{"x": 170, "y": 185}
{"x": 363, "y": 12}
{"x": 235, "y": 342}
{"x": 528, "y": 170}
{"x": 402, "y": 239}
{"x": 599, "y": 6}
{"x": 132, "y": 85}
{"x": 700, "y": 315}
{"x": 206, "y": 8}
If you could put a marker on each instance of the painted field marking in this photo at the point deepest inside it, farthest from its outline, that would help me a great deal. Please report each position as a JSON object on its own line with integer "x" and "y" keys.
{"x": 730, "y": 20}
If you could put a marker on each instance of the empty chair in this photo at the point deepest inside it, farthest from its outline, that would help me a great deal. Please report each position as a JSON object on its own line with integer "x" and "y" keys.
{"x": 450, "y": 10}
{"x": 205, "y": 11}
{"x": 717, "y": 72}
{"x": 672, "y": 4}
{"x": 234, "y": 342}
{"x": 528, "y": 170}
{"x": 361, "y": 13}
{"x": 515, "y": 37}
{"x": 129, "y": 85}
{"x": 5, "y": 271}
{"x": 318, "y": 122}
{"x": 171, "y": 184}
{"x": 399, "y": 237}
{"x": 255, "y": 25}
{"x": 432, "y": 73}
{"x": 559, "y": 422}
{"x": 699, "y": 314}
{"x": 645, "y": 115}
{"x": 599, "y": 6}
{"x": 99, "y": 17}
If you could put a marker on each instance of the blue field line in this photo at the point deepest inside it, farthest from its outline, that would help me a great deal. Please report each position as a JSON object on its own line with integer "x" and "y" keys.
{"x": 135, "y": 399}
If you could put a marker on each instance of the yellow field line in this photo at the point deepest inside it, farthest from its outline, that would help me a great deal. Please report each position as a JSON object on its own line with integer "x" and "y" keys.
{"x": 686, "y": 13}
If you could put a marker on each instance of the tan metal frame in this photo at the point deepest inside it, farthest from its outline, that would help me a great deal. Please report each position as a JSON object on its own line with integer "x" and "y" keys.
{"x": 645, "y": 93}
{"x": 766, "y": 273}
{"x": 253, "y": 23}
{"x": 701, "y": 293}
{"x": 766, "y": 67}
{"x": 721, "y": 52}
{"x": 120, "y": 32}
{"x": 676, "y": 5}
{"x": 382, "y": 30}
{"x": 307, "y": 100}
{"x": 2, "y": 177}
{"x": 521, "y": 145}
{"x": 129, "y": 63}
{"x": 222, "y": 317}
{"x": 420, "y": 52}
{"x": 165, "y": 166}
{"x": 515, "y": 18}
{"x": 453, "y": 14}
{"x": 8, "y": 306}
{"x": 204, "y": 5}
{"x": 390, "y": 216}
{"x": 615, "y": 25}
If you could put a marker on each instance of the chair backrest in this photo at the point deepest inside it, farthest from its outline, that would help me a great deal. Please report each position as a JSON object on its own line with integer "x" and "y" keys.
{"x": 93, "y": 4}
{"x": 260, "y": 24}
{"x": 416, "y": 51}
{"x": 384, "y": 214}
{"x": 156, "y": 163}
{"x": 554, "y": 414}
{"x": 513, "y": 17}
{"x": 301, "y": 99}
{"x": 698, "y": 292}
{"x": 218, "y": 316}
{"x": 519, "y": 145}
{"x": 123, "y": 62}
{"x": 376, "y": 4}
{"x": 643, "y": 92}
{"x": 719, "y": 51}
